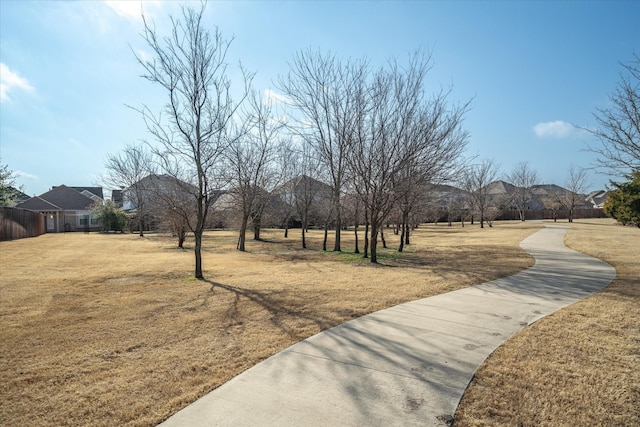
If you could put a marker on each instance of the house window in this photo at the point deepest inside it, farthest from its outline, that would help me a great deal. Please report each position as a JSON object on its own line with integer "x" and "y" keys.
{"x": 83, "y": 219}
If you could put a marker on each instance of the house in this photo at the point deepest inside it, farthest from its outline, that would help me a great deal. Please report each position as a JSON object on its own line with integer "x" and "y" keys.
{"x": 16, "y": 195}
{"x": 66, "y": 208}
{"x": 154, "y": 199}
{"x": 149, "y": 189}
{"x": 597, "y": 198}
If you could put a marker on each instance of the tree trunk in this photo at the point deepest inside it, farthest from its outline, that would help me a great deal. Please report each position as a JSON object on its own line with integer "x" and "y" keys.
{"x": 404, "y": 237}
{"x": 336, "y": 244}
{"x": 356, "y": 250}
{"x": 304, "y": 229}
{"x": 326, "y": 233}
{"x": 374, "y": 242}
{"x": 140, "y": 225}
{"x": 182, "y": 235}
{"x": 366, "y": 240}
{"x": 242, "y": 235}
{"x": 407, "y": 232}
{"x": 197, "y": 233}
{"x": 257, "y": 225}
{"x": 384, "y": 241}
{"x": 198, "y": 253}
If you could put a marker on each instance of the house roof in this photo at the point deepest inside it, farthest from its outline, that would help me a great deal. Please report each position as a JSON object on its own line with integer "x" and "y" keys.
{"x": 18, "y": 195}
{"x": 97, "y": 191}
{"x": 61, "y": 198}
{"x": 500, "y": 187}
{"x": 38, "y": 204}
{"x": 597, "y": 198}
{"x": 302, "y": 181}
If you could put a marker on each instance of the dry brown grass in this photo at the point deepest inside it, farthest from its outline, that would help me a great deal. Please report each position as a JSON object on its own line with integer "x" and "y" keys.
{"x": 110, "y": 329}
{"x": 579, "y": 366}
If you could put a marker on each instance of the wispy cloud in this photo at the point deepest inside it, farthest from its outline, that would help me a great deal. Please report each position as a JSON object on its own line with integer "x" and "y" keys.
{"x": 271, "y": 95}
{"x": 143, "y": 55}
{"x": 126, "y": 9}
{"x": 131, "y": 9}
{"x": 556, "y": 130}
{"x": 26, "y": 175}
{"x": 9, "y": 81}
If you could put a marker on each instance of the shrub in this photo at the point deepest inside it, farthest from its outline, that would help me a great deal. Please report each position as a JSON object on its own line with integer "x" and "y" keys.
{"x": 111, "y": 217}
{"x": 623, "y": 203}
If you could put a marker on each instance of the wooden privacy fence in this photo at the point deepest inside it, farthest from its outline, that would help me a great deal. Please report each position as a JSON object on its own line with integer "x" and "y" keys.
{"x": 20, "y": 223}
{"x": 510, "y": 214}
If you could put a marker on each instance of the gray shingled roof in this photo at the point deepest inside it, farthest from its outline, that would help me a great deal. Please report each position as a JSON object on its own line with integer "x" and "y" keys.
{"x": 60, "y": 197}
{"x": 38, "y": 204}
{"x": 94, "y": 190}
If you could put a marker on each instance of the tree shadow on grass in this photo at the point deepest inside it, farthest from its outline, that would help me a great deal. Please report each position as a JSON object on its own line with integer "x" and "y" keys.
{"x": 276, "y": 304}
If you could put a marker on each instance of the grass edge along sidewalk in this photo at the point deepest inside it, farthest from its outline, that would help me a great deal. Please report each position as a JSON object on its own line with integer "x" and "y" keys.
{"x": 405, "y": 365}
{"x": 579, "y": 366}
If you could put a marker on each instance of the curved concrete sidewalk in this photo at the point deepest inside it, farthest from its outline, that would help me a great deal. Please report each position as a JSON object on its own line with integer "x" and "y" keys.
{"x": 406, "y": 365}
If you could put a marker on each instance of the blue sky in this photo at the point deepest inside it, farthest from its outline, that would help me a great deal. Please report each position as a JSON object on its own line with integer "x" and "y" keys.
{"x": 534, "y": 69}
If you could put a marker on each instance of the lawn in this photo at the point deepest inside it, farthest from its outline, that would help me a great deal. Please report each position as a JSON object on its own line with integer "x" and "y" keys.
{"x": 112, "y": 329}
{"x": 579, "y": 366}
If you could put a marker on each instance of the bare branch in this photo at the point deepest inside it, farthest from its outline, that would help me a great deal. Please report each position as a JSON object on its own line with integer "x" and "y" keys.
{"x": 195, "y": 126}
{"x": 618, "y": 129}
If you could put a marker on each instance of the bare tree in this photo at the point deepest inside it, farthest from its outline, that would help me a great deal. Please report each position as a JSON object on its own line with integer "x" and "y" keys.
{"x": 475, "y": 181}
{"x": 323, "y": 89}
{"x": 170, "y": 202}
{"x": 523, "y": 177}
{"x": 287, "y": 160}
{"x": 576, "y": 185}
{"x": 412, "y": 187}
{"x": 126, "y": 170}
{"x": 553, "y": 201}
{"x": 301, "y": 190}
{"x": 251, "y": 165}
{"x": 619, "y": 124}
{"x": 307, "y": 190}
{"x": 190, "y": 66}
{"x": 399, "y": 129}
{"x": 436, "y": 161}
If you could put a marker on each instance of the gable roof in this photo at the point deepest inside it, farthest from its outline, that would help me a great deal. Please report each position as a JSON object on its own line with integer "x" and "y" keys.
{"x": 298, "y": 183}
{"x": 96, "y": 191}
{"x": 59, "y": 198}
{"x": 500, "y": 187}
{"x": 548, "y": 190}
{"x": 38, "y": 204}
{"x": 597, "y": 198}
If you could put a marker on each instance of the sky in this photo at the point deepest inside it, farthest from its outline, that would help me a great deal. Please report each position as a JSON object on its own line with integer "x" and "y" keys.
{"x": 535, "y": 71}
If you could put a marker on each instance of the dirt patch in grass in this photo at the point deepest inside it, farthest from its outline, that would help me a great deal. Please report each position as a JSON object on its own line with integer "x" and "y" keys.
{"x": 108, "y": 330}
{"x": 579, "y": 366}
